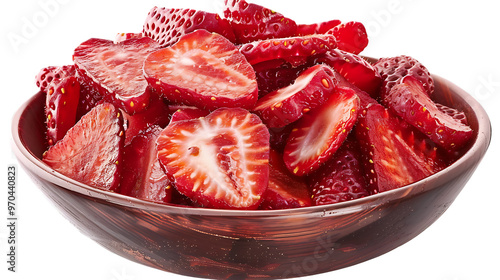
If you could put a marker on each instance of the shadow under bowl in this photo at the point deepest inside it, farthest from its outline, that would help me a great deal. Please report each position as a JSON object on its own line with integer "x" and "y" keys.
{"x": 235, "y": 244}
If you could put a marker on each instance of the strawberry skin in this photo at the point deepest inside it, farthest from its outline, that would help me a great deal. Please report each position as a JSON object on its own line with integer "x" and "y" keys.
{"x": 351, "y": 36}
{"x": 91, "y": 151}
{"x": 53, "y": 74}
{"x": 204, "y": 70}
{"x": 219, "y": 161}
{"x": 181, "y": 113}
{"x": 275, "y": 74}
{"x": 317, "y": 28}
{"x": 115, "y": 70}
{"x": 167, "y": 26}
{"x": 284, "y": 106}
{"x": 410, "y": 101}
{"x": 318, "y": 135}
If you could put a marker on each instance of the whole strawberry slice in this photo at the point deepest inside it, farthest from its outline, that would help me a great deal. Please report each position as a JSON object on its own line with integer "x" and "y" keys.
{"x": 351, "y": 36}
{"x": 252, "y": 22}
{"x": 284, "y": 191}
{"x": 318, "y": 134}
{"x": 410, "y": 101}
{"x": 284, "y": 106}
{"x": 340, "y": 179}
{"x": 115, "y": 70}
{"x": 204, "y": 70}
{"x": 91, "y": 151}
{"x": 286, "y": 48}
{"x": 142, "y": 174}
{"x": 167, "y": 26}
{"x": 317, "y": 28}
{"x": 219, "y": 161}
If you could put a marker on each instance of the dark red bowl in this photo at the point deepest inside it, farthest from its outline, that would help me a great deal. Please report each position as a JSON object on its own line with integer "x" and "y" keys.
{"x": 234, "y": 244}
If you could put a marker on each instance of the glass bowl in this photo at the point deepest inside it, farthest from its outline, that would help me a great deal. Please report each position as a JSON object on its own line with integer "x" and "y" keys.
{"x": 235, "y": 244}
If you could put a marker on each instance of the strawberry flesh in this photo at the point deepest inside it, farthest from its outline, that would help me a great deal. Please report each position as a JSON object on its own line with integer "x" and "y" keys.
{"x": 219, "y": 161}
{"x": 351, "y": 36}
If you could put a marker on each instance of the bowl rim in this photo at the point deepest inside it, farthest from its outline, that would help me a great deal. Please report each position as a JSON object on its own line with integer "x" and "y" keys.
{"x": 471, "y": 157}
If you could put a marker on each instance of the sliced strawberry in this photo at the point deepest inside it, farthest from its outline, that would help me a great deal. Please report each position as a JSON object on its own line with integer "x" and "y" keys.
{"x": 91, "y": 151}
{"x": 394, "y": 69}
{"x": 218, "y": 161}
{"x": 115, "y": 70}
{"x": 167, "y": 26}
{"x": 181, "y": 113}
{"x": 286, "y": 48}
{"x": 89, "y": 97}
{"x": 340, "y": 179}
{"x": 389, "y": 161}
{"x": 284, "y": 106}
{"x": 120, "y": 37}
{"x": 351, "y": 36}
{"x": 252, "y": 22}
{"x": 48, "y": 74}
{"x": 454, "y": 113}
{"x": 317, "y": 28}
{"x": 354, "y": 68}
{"x": 318, "y": 135}
{"x": 204, "y": 70}
{"x": 142, "y": 175}
{"x": 284, "y": 191}
{"x": 275, "y": 74}
{"x": 410, "y": 101}
{"x": 60, "y": 107}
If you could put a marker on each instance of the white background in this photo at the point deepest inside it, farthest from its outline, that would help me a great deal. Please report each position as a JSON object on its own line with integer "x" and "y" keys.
{"x": 457, "y": 41}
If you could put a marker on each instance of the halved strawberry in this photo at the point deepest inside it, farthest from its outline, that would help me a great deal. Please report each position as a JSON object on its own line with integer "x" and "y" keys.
{"x": 219, "y": 161}
{"x": 284, "y": 190}
{"x": 410, "y": 101}
{"x": 393, "y": 69}
{"x": 318, "y": 135}
{"x": 354, "y": 68}
{"x": 204, "y": 70}
{"x": 317, "y": 28}
{"x": 252, "y": 22}
{"x": 142, "y": 175}
{"x": 351, "y": 36}
{"x": 53, "y": 73}
{"x": 340, "y": 179}
{"x": 275, "y": 74}
{"x": 120, "y": 37}
{"x": 287, "y": 48}
{"x": 167, "y": 26}
{"x": 91, "y": 151}
{"x": 115, "y": 70}
{"x": 284, "y": 106}
{"x": 389, "y": 161}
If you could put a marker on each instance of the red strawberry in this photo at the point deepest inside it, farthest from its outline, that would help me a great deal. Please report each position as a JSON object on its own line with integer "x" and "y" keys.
{"x": 186, "y": 113}
{"x": 89, "y": 98}
{"x": 318, "y": 135}
{"x": 410, "y": 101}
{"x": 317, "y": 28}
{"x": 351, "y": 36}
{"x": 275, "y": 74}
{"x": 354, "y": 68}
{"x": 252, "y": 22}
{"x": 115, "y": 70}
{"x": 218, "y": 161}
{"x": 167, "y": 26}
{"x": 142, "y": 174}
{"x": 394, "y": 69}
{"x": 285, "y": 48}
{"x": 284, "y": 190}
{"x": 120, "y": 37}
{"x": 91, "y": 151}
{"x": 279, "y": 136}
{"x": 284, "y": 106}
{"x": 454, "y": 113}
{"x": 389, "y": 161}
{"x": 60, "y": 107}
{"x": 204, "y": 70}
{"x": 49, "y": 74}
{"x": 340, "y": 179}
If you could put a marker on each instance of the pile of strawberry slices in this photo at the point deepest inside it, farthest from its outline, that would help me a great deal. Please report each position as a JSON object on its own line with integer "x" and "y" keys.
{"x": 245, "y": 110}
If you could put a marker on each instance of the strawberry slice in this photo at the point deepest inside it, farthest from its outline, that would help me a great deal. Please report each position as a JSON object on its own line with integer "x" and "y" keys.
{"x": 218, "y": 161}
{"x": 167, "y": 26}
{"x": 89, "y": 97}
{"x": 318, "y": 135}
{"x": 53, "y": 73}
{"x": 340, "y": 179}
{"x": 204, "y": 70}
{"x": 354, "y": 68}
{"x": 252, "y": 22}
{"x": 284, "y": 191}
{"x": 115, "y": 70}
{"x": 142, "y": 174}
{"x": 275, "y": 74}
{"x": 410, "y": 101}
{"x": 285, "y": 48}
{"x": 317, "y": 28}
{"x": 91, "y": 151}
{"x": 454, "y": 113}
{"x": 351, "y": 36}
{"x": 393, "y": 69}
{"x": 284, "y": 106}
{"x": 389, "y": 161}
